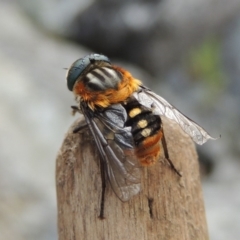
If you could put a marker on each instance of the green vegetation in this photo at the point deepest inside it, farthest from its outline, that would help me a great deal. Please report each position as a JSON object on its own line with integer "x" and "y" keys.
{"x": 204, "y": 63}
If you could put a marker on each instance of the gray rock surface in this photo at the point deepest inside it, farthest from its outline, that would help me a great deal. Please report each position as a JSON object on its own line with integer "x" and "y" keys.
{"x": 153, "y": 34}
{"x": 34, "y": 115}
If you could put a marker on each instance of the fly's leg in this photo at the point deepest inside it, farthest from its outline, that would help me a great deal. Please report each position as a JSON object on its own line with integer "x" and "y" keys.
{"x": 82, "y": 125}
{"x": 75, "y": 109}
{"x": 102, "y": 167}
{"x": 164, "y": 143}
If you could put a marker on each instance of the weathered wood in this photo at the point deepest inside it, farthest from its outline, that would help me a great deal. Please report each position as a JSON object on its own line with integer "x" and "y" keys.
{"x": 168, "y": 207}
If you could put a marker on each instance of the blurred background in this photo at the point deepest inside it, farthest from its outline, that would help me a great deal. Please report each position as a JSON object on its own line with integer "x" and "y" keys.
{"x": 187, "y": 51}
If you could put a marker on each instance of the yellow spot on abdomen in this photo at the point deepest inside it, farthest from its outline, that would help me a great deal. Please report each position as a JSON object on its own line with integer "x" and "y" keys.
{"x": 134, "y": 112}
{"x": 142, "y": 123}
{"x": 146, "y": 132}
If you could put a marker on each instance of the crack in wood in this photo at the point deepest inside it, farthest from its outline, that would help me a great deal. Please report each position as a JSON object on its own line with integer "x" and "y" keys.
{"x": 150, "y": 206}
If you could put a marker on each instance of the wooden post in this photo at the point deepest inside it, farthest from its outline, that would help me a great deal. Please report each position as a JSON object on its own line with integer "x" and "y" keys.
{"x": 168, "y": 207}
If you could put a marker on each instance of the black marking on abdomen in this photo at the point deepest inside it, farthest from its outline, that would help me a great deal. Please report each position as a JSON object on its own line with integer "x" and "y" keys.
{"x": 142, "y": 131}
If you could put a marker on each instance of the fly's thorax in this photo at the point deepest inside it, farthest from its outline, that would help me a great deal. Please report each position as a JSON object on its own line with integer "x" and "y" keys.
{"x": 105, "y": 85}
{"x": 101, "y": 79}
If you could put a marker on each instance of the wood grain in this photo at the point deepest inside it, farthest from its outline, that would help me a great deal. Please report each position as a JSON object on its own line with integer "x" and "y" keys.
{"x": 168, "y": 207}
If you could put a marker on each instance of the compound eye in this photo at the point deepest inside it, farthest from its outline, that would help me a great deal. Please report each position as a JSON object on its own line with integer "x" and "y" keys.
{"x": 80, "y": 65}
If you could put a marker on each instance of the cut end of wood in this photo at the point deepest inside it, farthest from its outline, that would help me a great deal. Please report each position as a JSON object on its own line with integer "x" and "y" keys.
{"x": 168, "y": 206}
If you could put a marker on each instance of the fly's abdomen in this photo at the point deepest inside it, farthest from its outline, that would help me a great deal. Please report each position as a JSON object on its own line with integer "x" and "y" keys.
{"x": 146, "y": 131}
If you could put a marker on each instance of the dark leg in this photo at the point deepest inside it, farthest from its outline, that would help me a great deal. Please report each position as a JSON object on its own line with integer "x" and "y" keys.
{"x": 80, "y": 127}
{"x": 75, "y": 109}
{"x": 164, "y": 143}
{"x": 102, "y": 167}
{"x": 100, "y": 148}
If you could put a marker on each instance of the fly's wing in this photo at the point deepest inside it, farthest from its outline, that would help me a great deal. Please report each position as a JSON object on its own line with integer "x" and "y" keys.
{"x": 116, "y": 147}
{"x": 160, "y": 106}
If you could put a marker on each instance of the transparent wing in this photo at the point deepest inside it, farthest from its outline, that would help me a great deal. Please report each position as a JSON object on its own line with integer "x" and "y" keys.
{"x": 116, "y": 147}
{"x": 150, "y": 99}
